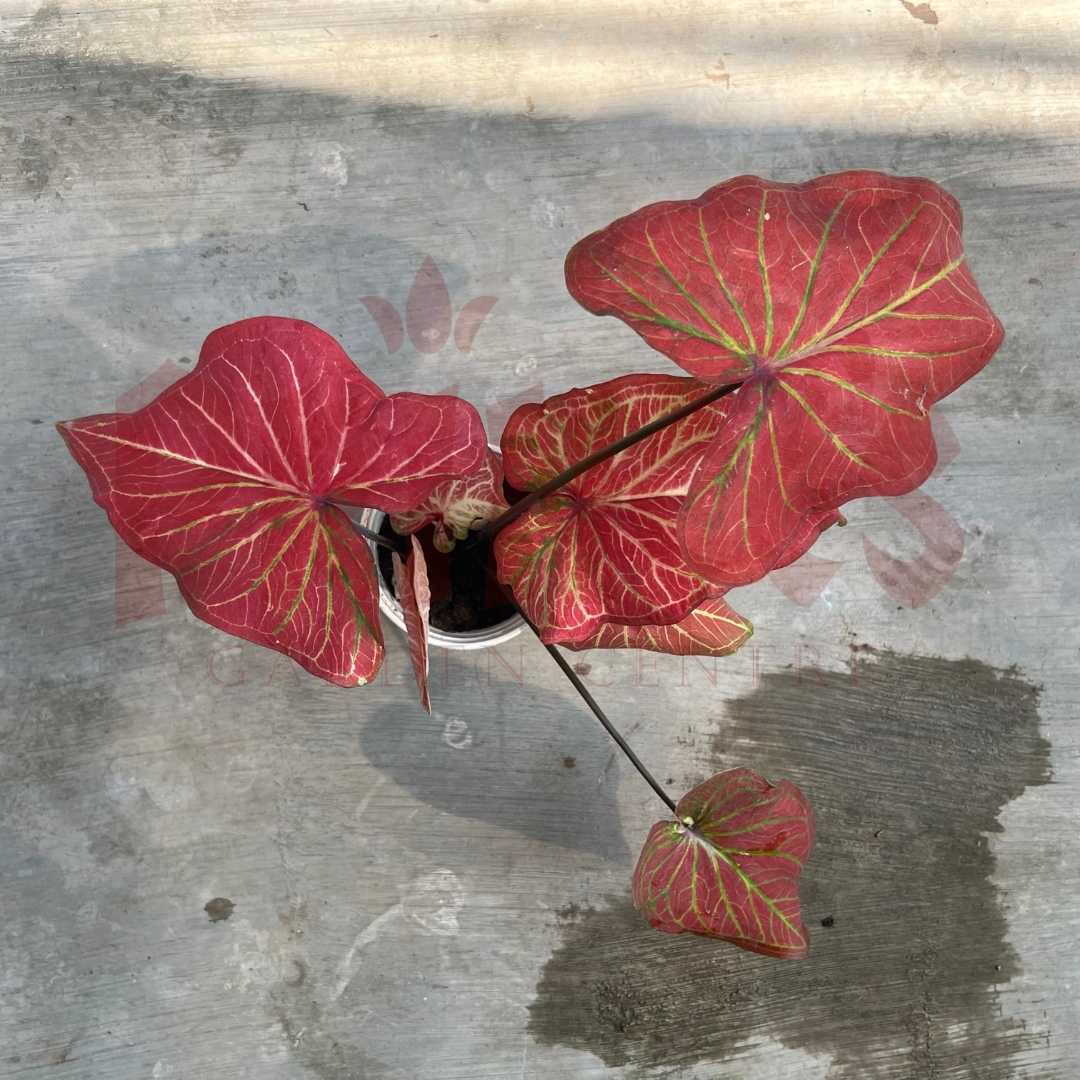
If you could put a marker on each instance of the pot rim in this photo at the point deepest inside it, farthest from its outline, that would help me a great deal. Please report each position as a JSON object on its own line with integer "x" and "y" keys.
{"x": 487, "y": 638}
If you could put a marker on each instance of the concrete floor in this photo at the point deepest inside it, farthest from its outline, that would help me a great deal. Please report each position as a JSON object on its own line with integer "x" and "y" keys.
{"x": 446, "y": 898}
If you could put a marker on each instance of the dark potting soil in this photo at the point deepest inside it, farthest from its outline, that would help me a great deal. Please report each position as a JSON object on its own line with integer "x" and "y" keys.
{"x": 465, "y": 594}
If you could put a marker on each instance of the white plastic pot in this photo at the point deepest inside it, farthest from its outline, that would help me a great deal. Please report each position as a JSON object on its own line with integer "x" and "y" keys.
{"x": 490, "y": 636}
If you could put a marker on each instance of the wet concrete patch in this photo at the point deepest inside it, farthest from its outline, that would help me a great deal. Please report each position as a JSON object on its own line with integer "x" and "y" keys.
{"x": 219, "y": 909}
{"x": 909, "y": 761}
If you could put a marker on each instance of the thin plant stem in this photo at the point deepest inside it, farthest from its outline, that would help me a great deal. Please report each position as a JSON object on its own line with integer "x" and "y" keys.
{"x": 375, "y": 538}
{"x": 575, "y": 470}
{"x": 569, "y": 672}
{"x": 589, "y": 700}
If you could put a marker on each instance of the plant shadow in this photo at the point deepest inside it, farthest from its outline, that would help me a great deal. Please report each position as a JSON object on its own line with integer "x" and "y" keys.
{"x": 505, "y": 753}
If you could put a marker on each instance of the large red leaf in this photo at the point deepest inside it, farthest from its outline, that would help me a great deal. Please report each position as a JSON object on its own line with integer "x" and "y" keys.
{"x": 604, "y": 548}
{"x": 729, "y": 866}
{"x": 845, "y": 307}
{"x": 456, "y": 506}
{"x": 711, "y": 629}
{"x": 414, "y": 595}
{"x": 227, "y": 479}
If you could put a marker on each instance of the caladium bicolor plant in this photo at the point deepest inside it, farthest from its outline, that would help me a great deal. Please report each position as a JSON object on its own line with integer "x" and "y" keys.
{"x": 816, "y": 323}
{"x": 711, "y": 629}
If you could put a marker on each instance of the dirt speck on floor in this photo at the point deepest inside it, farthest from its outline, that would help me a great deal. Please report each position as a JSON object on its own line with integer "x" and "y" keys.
{"x": 218, "y": 909}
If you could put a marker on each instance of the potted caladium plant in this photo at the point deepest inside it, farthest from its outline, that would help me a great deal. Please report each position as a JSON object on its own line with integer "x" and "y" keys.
{"x": 816, "y": 325}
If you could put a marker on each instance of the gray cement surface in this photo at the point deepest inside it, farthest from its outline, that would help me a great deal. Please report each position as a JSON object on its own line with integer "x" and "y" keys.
{"x": 214, "y": 866}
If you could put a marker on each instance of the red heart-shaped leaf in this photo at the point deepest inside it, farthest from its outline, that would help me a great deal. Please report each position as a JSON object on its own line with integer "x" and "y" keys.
{"x": 414, "y": 595}
{"x": 603, "y": 549}
{"x": 456, "y": 506}
{"x": 844, "y": 306}
{"x": 711, "y": 629}
{"x": 228, "y": 477}
{"x": 729, "y": 866}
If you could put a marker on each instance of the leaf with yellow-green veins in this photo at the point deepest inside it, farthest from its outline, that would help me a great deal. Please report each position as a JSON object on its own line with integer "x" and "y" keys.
{"x": 457, "y": 506}
{"x": 231, "y": 477}
{"x": 603, "y": 549}
{"x": 846, "y": 309}
{"x": 414, "y": 594}
{"x": 728, "y": 865}
{"x": 713, "y": 628}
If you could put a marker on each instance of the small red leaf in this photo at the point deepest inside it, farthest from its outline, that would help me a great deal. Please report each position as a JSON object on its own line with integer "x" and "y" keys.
{"x": 387, "y": 320}
{"x": 711, "y": 629}
{"x": 729, "y": 866}
{"x": 427, "y": 309}
{"x": 456, "y": 506}
{"x": 603, "y": 549}
{"x": 470, "y": 319}
{"x": 844, "y": 306}
{"x": 227, "y": 480}
{"x": 414, "y": 595}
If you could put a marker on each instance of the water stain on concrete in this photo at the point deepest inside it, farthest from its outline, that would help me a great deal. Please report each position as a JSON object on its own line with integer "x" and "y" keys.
{"x": 574, "y": 911}
{"x": 909, "y": 761}
{"x": 219, "y": 909}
